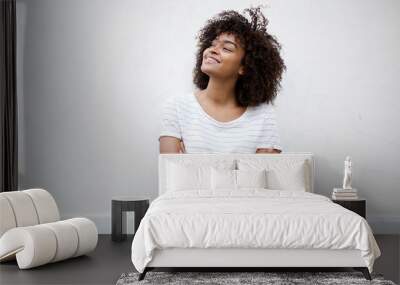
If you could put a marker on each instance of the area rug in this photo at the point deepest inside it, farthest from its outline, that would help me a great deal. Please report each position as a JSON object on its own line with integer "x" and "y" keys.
{"x": 244, "y": 278}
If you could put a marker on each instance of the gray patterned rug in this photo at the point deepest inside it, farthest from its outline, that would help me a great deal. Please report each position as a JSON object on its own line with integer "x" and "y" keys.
{"x": 230, "y": 278}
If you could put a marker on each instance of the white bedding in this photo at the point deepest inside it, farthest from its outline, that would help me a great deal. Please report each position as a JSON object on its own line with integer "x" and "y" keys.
{"x": 250, "y": 218}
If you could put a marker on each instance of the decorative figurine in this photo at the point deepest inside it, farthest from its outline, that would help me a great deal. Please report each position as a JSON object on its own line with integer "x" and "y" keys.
{"x": 347, "y": 173}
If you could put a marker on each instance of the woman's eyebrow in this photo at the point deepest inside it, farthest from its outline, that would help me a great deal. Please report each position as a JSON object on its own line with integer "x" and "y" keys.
{"x": 229, "y": 42}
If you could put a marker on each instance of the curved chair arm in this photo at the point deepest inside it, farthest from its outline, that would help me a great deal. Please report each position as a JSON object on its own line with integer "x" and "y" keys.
{"x": 40, "y": 244}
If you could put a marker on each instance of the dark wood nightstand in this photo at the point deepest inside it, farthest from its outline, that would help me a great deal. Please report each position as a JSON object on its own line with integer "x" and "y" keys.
{"x": 122, "y": 204}
{"x": 358, "y": 206}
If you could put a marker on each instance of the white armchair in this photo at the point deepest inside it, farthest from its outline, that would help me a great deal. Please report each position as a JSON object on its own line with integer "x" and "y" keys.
{"x": 32, "y": 233}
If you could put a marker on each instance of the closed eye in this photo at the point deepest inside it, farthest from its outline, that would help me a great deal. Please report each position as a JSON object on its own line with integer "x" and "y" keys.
{"x": 213, "y": 44}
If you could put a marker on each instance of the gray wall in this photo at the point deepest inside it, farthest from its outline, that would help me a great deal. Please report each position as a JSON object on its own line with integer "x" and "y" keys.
{"x": 93, "y": 76}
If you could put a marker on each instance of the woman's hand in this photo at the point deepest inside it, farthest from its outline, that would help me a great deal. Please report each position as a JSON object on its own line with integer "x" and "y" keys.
{"x": 268, "y": 150}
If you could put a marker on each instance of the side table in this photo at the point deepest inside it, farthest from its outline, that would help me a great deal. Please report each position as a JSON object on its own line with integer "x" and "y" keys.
{"x": 119, "y": 206}
{"x": 358, "y": 206}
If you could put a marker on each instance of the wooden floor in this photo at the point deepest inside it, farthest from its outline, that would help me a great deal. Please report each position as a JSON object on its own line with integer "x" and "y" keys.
{"x": 103, "y": 266}
{"x": 111, "y": 259}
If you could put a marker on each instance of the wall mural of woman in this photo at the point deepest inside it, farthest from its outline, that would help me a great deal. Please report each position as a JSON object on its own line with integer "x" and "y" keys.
{"x": 237, "y": 74}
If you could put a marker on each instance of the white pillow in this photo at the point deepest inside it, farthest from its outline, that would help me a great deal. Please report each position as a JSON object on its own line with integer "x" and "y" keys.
{"x": 251, "y": 178}
{"x": 186, "y": 173}
{"x": 292, "y": 178}
{"x": 223, "y": 179}
{"x": 282, "y": 174}
{"x": 228, "y": 179}
{"x": 184, "y": 177}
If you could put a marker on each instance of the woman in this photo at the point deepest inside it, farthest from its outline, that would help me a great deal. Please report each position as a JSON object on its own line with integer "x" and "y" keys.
{"x": 237, "y": 73}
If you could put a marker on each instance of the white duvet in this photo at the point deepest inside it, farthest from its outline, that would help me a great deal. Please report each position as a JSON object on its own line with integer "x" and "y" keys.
{"x": 251, "y": 218}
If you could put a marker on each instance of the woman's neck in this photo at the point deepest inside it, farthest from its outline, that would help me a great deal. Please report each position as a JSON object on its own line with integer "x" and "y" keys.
{"x": 221, "y": 92}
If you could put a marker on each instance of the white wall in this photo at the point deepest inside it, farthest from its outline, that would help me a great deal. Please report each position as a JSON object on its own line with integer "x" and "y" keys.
{"x": 93, "y": 76}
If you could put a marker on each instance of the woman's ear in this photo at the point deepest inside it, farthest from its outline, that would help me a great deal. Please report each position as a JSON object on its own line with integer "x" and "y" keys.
{"x": 241, "y": 70}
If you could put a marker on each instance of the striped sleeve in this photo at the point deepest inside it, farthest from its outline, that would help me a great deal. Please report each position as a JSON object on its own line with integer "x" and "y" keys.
{"x": 270, "y": 133}
{"x": 169, "y": 119}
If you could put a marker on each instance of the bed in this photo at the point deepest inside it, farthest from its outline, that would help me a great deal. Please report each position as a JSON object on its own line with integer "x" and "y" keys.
{"x": 245, "y": 211}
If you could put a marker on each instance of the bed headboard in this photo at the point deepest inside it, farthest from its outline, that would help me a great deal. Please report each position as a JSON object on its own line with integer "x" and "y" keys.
{"x": 164, "y": 158}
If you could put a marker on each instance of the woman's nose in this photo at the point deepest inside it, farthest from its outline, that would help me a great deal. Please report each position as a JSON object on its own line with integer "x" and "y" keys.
{"x": 214, "y": 50}
{"x": 215, "y": 46}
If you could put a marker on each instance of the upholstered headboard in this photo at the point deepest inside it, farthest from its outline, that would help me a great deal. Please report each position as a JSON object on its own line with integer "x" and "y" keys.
{"x": 204, "y": 159}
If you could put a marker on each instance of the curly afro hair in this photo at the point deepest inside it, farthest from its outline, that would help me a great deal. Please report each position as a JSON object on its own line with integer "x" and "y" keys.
{"x": 263, "y": 64}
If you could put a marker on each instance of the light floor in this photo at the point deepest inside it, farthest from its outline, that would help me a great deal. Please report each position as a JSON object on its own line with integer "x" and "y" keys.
{"x": 111, "y": 259}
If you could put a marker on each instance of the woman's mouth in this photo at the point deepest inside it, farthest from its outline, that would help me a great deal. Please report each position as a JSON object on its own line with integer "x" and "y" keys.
{"x": 211, "y": 60}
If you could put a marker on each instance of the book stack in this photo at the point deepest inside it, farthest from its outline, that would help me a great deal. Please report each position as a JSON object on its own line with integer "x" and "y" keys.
{"x": 344, "y": 194}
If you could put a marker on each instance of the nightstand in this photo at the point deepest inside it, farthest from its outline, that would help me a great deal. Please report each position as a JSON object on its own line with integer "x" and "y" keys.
{"x": 122, "y": 204}
{"x": 358, "y": 206}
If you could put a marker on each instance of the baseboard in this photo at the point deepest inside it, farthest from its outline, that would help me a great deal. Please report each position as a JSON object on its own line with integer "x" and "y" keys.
{"x": 379, "y": 224}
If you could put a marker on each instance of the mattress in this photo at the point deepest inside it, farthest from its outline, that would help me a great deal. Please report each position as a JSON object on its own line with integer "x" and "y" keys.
{"x": 250, "y": 218}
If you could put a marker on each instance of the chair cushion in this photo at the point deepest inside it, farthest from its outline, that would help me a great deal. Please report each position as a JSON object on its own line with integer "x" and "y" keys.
{"x": 23, "y": 208}
{"x": 7, "y": 215}
{"x": 45, "y": 205}
{"x": 27, "y": 208}
{"x": 40, "y": 244}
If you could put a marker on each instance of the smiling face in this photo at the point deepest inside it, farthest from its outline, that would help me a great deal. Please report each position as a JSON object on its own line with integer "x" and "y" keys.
{"x": 223, "y": 58}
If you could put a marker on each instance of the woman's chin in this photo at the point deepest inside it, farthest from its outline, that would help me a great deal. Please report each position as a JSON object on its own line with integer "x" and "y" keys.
{"x": 210, "y": 71}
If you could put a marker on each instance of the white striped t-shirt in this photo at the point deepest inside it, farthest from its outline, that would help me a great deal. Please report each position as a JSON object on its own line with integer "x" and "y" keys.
{"x": 184, "y": 118}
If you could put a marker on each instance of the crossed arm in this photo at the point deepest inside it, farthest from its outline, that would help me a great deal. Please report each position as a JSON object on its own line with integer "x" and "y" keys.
{"x": 171, "y": 145}
{"x": 175, "y": 145}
